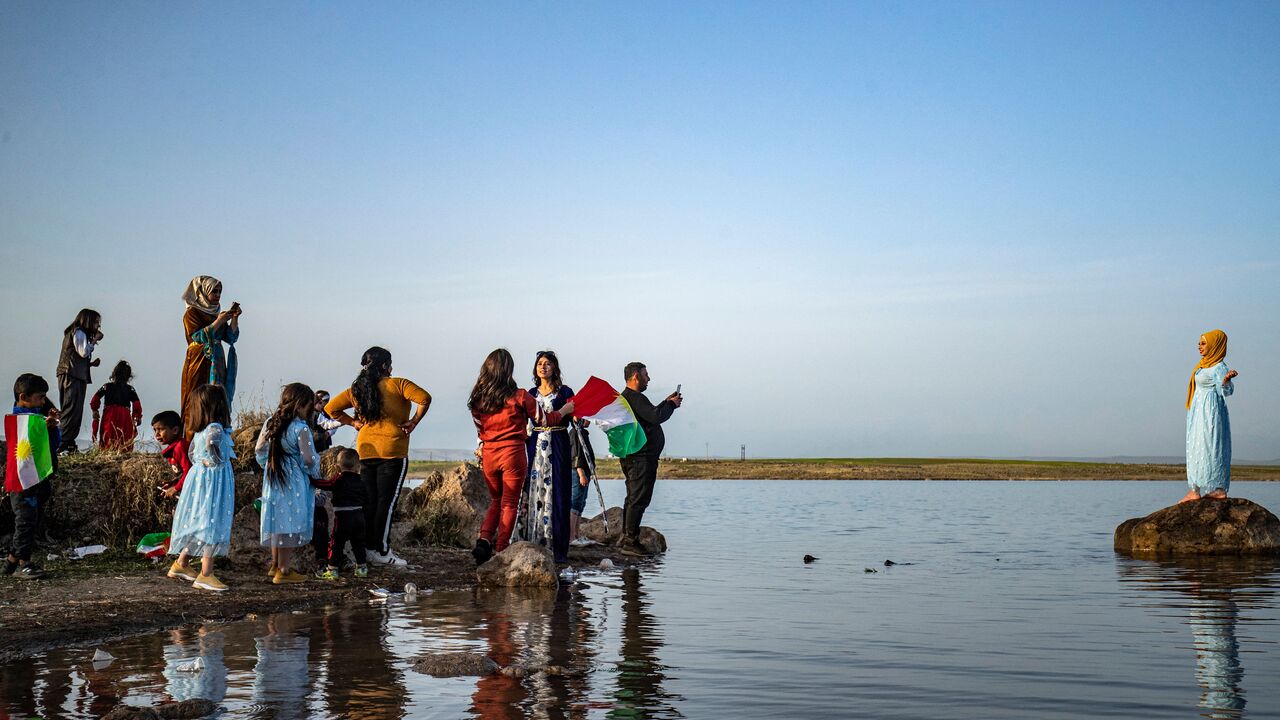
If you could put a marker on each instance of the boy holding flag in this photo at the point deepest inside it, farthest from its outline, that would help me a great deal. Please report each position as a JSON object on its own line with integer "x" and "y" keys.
{"x": 31, "y": 437}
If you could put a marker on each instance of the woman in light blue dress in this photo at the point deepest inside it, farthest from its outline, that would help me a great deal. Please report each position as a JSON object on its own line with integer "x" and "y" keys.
{"x": 202, "y": 520}
{"x": 1208, "y": 426}
{"x": 287, "y": 451}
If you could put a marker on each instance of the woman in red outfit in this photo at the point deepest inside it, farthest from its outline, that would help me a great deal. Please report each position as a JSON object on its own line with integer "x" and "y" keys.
{"x": 501, "y": 411}
{"x": 115, "y": 425}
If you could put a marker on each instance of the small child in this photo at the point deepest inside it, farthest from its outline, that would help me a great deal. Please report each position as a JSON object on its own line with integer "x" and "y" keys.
{"x": 202, "y": 520}
{"x": 168, "y": 429}
{"x": 348, "y": 517}
{"x": 30, "y": 397}
{"x": 287, "y": 453}
{"x": 78, "y": 342}
{"x": 116, "y": 429}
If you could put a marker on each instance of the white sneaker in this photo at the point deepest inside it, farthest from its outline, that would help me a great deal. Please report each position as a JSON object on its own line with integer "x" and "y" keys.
{"x": 582, "y": 542}
{"x": 391, "y": 558}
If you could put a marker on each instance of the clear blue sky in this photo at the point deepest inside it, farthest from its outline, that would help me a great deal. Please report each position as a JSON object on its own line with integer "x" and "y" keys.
{"x": 846, "y": 229}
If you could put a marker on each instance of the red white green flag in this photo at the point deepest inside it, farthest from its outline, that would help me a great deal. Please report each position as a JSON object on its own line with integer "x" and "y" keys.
{"x": 30, "y": 459}
{"x": 154, "y": 545}
{"x": 605, "y": 407}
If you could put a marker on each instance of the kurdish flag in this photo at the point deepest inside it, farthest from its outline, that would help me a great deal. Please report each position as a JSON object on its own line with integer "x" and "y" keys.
{"x": 30, "y": 458}
{"x": 598, "y": 402}
{"x": 154, "y": 545}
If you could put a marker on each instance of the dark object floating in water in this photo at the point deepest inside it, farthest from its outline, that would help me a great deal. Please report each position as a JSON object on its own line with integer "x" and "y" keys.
{"x": 808, "y": 559}
{"x": 889, "y": 563}
{"x": 870, "y": 570}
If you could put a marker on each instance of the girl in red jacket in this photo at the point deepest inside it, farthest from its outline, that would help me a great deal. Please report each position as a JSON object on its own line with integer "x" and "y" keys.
{"x": 502, "y": 411}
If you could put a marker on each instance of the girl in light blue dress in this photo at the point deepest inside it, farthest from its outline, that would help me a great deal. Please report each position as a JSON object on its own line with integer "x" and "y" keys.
{"x": 1208, "y": 425}
{"x": 287, "y": 451}
{"x": 202, "y": 520}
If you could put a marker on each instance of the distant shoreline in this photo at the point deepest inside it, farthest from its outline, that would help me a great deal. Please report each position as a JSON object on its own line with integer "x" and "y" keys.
{"x": 902, "y": 469}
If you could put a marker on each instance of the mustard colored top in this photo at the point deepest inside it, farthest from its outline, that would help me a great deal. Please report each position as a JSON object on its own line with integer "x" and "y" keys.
{"x": 384, "y": 439}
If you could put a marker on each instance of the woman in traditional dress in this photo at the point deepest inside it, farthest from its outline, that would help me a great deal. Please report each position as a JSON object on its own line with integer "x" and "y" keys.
{"x": 206, "y": 326}
{"x": 545, "y": 519}
{"x": 1208, "y": 425}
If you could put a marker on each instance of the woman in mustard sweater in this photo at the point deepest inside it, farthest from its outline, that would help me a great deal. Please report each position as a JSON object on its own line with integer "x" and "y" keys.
{"x": 383, "y": 424}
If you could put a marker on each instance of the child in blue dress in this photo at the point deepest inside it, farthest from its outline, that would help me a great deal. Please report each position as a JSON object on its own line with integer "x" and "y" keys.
{"x": 202, "y": 520}
{"x": 287, "y": 451}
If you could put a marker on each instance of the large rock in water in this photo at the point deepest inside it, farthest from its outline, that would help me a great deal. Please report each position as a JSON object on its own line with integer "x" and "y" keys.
{"x": 456, "y": 664}
{"x": 594, "y": 529}
{"x": 1230, "y": 526}
{"x": 523, "y": 564}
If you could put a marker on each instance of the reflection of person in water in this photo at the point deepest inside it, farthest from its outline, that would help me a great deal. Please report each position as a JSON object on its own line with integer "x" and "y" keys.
{"x": 640, "y": 674}
{"x": 360, "y": 681}
{"x": 572, "y": 647}
{"x": 1218, "y": 671}
{"x": 280, "y": 677}
{"x": 210, "y": 682}
{"x": 498, "y": 697}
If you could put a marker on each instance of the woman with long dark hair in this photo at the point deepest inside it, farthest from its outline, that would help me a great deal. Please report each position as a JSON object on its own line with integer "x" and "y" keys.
{"x": 382, "y": 404}
{"x": 501, "y": 412}
{"x": 286, "y": 452}
{"x": 546, "y": 517}
{"x": 78, "y": 342}
{"x": 207, "y": 326}
{"x": 117, "y": 412}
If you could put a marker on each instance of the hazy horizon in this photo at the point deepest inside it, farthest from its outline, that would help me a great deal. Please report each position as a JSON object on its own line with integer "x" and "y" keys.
{"x": 870, "y": 230}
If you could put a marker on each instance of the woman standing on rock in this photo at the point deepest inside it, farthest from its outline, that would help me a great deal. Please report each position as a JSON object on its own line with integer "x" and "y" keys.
{"x": 1208, "y": 426}
{"x": 206, "y": 326}
{"x": 502, "y": 411}
{"x": 546, "y": 517}
{"x": 382, "y": 404}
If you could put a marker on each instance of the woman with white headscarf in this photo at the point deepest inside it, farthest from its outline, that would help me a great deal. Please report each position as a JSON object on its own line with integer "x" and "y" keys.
{"x": 206, "y": 326}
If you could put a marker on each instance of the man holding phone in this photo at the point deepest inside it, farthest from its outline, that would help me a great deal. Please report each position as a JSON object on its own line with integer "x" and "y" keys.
{"x": 641, "y": 468}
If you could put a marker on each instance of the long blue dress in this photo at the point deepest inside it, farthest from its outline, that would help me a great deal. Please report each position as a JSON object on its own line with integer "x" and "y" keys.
{"x": 545, "y": 519}
{"x": 202, "y": 520}
{"x": 288, "y": 507}
{"x": 1209, "y": 432}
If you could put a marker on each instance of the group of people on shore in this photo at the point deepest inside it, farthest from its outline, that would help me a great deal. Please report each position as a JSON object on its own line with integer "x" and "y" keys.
{"x": 536, "y": 457}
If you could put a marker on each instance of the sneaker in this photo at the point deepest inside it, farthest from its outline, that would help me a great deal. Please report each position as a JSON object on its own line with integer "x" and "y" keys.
{"x": 581, "y": 542}
{"x": 271, "y": 572}
{"x": 10, "y": 566}
{"x": 362, "y": 571}
{"x": 482, "y": 551}
{"x": 390, "y": 558}
{"x": 30, "y": 572}
{"x": 208, "y": 582}
{"x": 288, "y": 578}
{"x": 182, "y": 572}
{"x": 327, "y": 573}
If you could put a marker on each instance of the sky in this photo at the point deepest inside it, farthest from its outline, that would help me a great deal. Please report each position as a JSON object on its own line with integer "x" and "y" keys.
{"x": 844, "y": 229}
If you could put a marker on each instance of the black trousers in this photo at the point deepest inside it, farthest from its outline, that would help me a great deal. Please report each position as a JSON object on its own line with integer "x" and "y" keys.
{"x": 71, "y": 393}
{"x": 641, "y": 472}
{"x": 28, "y": 516}
{"x": 348, "y": 527}
{"x": 383, "y": 480}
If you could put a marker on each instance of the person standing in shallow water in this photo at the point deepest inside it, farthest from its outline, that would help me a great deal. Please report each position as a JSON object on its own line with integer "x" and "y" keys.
{"x": 1208, "y": 425}
{"x": 641, "y": 468}
{"x": 546, "y": 517}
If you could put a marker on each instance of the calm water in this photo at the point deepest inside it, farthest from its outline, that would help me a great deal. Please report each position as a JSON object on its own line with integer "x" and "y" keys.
{"x": 1013, "y": 606}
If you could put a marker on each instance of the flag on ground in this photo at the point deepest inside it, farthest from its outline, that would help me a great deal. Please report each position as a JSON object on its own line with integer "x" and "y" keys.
{"x": 154, "y": 545}
{"x": 598, "y": 402}
{"x": 30, "y": 459}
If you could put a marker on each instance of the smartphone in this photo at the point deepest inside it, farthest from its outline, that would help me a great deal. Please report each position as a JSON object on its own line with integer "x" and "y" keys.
{"x": 677, "y": 388}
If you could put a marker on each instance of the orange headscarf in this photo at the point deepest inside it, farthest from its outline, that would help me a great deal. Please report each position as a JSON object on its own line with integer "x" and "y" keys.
{"x": 1216, "y": 342}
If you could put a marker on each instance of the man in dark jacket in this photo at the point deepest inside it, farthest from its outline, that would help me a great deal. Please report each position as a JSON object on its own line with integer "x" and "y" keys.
{"x": 641, "y": 467}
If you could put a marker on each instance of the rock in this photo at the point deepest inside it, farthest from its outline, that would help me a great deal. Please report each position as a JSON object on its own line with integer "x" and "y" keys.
{"x": 654, "y": 542}
{"x": 523, "y": 564}
{"x": 515, "y": 671}
{"x": 193, "y": 708}
{"x": 456, "y": 664}
{"x": 1230, "y": 526}
{"x": 447, "y": 508}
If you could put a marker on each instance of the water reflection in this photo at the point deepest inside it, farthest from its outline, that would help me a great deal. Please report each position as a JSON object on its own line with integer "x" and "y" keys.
{"x": 359, "y": 677}
{"x": 1217, "y": 589}
{"x": 640, "y": 674}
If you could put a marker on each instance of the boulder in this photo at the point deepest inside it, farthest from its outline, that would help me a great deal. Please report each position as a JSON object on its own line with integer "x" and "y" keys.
{"x": 523, "y": 564}
{"x": 594, "y": 529}
{"x": 1230, "y": 526}
{"x": 447, "y": 508}
{"x": 456, "y": 664}
{"x": 193, "y": 708}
